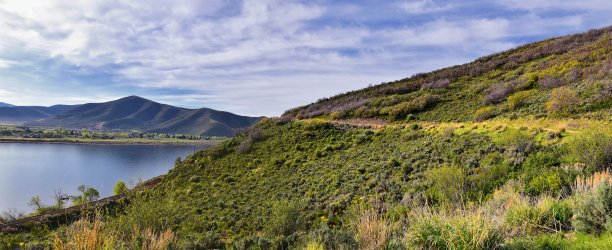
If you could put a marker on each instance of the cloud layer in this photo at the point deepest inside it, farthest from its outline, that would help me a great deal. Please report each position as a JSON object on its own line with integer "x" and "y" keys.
{"x": 254, "y": 57}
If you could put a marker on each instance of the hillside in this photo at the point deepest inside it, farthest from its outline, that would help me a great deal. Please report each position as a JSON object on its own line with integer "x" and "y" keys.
{"x": 141, "y": 114}
{"x": 511, "y": 151}
{"x": 21, "y": 114}
{"x": 514, "y": 83}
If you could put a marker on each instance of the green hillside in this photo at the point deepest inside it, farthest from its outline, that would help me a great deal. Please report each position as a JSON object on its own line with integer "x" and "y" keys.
{"x": 515, "y": 83}
{"x": 508, "y": 152}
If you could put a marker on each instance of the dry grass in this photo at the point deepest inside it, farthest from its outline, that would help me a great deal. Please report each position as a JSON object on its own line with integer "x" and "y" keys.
{"x": 87, "y": 234}
{"x": 372, "y": 229}
{"x": 153, "y": 241}
{"x": 84, "y": 235}
{"x": 590, "y": 183}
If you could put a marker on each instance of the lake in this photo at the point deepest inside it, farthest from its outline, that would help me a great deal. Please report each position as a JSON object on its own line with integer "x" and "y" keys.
{"x": 29, "y": 169}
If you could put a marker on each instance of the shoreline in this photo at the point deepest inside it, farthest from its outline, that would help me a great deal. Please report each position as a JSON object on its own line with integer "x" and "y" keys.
{"x": 106, "y": 142}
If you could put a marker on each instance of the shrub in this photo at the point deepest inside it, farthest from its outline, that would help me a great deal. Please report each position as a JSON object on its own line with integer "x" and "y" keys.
{"x": 547, "y": 215}
{"x": 401, "y": 110}
{"x": 255, "y": 242}
{"x": 594, "y": 210}
{"x": 520, "y": 99}
{"x": 484, "y": 113}
{"x": 562, "y": 100}
{"x": 593, "y": 148}
{"x": 120, "y": 188}
{"x": 325, "y": 237}
{"x": 437, "y": 84}
{"x": 549, "y": 83}
{"x": 447, "y": 184}
{"x": 517, "y": 145}
{"x": 244, "y": 146}
{"x": 541, "y": 174}
{"x": 286, "y": 218}
{"x": 492, "y": 173}
{"x": 548, "y": 183}
{"x": 430, "y": 230}
{"x": 496, "y": 93}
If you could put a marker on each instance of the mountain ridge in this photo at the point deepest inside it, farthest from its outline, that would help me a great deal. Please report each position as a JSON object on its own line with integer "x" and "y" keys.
{"x": 134, "y": 112}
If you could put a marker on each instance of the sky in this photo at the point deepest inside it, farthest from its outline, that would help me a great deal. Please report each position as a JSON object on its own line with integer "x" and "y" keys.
{"x": 256, "y": 57}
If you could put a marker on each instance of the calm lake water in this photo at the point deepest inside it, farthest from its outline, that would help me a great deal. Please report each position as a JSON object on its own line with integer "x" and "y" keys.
{"x": 28, "y": 169}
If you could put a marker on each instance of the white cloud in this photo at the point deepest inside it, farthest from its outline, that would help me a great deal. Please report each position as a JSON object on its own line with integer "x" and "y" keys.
{"x": 423, "y": 6}
{"x": 255, "y": 57}
{"x": 596, "y": 5}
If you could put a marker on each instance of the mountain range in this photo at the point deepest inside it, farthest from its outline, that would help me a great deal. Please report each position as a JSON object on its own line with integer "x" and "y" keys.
{"x": 129, "y": 113}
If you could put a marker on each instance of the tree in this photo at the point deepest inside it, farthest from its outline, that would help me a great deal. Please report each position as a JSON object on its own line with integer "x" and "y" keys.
{"x": 12, "y": 214}
{"x": 59, "y": 198}
{"x": 120, "y": 188}
{"x": 88, "y": 194}
{"x": 35, "y": 202}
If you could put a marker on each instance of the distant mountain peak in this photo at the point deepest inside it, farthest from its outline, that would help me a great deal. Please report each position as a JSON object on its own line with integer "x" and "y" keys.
{"x": 135, "y": 112}
{"x": 3, "y": 104}
{"x": 133, "y": 98}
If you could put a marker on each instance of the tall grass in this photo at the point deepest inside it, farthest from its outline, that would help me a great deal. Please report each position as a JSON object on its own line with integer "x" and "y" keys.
{"x": 84, "y": 235}
{"x": 372, "y": 230}
{"x": 464, "y": 229}
{"x": 590, "y": 183}
{"x": 90, "y": 234}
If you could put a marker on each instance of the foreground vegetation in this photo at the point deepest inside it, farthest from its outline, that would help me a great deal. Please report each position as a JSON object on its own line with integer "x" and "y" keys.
{"x": 512, "y": 151}
{"x": 340, "y": 186}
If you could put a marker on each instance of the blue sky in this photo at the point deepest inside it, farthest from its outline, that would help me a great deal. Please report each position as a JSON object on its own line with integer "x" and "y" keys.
{"x": 256, "y": 57}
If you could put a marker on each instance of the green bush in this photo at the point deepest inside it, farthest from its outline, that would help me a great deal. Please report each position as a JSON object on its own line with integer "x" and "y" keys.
{"x": 120, "y": 188}
{"x": 562, "y": 100}
{"x": 447, "y": 184}
{"x": 548, "y": 215}
{"x": 517, "y": 144}
{"x": 593, "y": 148}
{"x": 594, "y": 211}
{"x": 485, "y": 113}
{"x": 520, "y": 99}
{"x": 492, "y": 173}
{"x": 402, "y": 110}
{"x": 542, "y": 175}
{"x": 285, "y": 219}
{"x": 329, "y": 238}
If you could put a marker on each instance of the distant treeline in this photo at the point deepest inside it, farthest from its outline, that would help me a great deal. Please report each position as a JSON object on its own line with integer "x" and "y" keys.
{"x": 48, "y": 133}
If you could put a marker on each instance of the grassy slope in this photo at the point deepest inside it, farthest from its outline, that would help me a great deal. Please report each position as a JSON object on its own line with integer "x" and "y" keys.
{"x": 224, "y": 194}
{"x": 580, "y": 62}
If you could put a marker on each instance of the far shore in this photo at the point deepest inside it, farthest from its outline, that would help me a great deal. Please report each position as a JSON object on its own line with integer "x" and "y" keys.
{"x": 108, "y": 141}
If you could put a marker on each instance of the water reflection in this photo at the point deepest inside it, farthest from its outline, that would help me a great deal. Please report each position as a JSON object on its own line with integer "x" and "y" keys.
{"x": 37, "y": 169}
